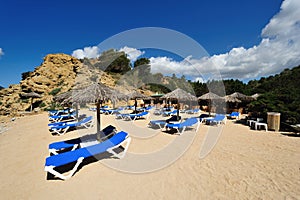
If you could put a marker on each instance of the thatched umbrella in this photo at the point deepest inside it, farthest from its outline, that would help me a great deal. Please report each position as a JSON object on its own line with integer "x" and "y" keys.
{"x": 136, "y": 95}
{"x": 180, "y": 94}
{"x": 241, "y": 96}
{"x": 255, "y": 96}
{"x": 209, "y": 97}
{"x": 31, "y": 95}
{"x": 63, "y": 96}
{"x": 96, "y": 93}
{"x": 231, "y": 99}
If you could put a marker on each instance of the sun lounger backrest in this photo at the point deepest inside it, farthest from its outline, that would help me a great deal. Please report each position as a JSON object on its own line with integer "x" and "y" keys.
{"x": 190, "y": 122}
{"x": 85, "y": 120}
{"x": 219, "y": 117}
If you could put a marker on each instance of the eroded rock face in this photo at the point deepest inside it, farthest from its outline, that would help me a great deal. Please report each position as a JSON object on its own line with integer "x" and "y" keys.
{"x": 56, "y": 74}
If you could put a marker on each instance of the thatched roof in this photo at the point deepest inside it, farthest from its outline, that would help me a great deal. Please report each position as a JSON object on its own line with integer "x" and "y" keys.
{"x": 95, "y": 92}
{"x": 241, "y": 96}
{"x": 229, "y": 98}
{"x": 137, "y": 95}
{"x": 255, "y": 96}
{"x": 31, "y": 94}
{"x": 208, "y": 96}
{"x": 180, "y": 94}
{"x": 61, "y": 97}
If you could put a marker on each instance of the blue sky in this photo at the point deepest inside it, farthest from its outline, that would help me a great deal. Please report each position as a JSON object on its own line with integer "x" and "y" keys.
{"x": 32, "y": 29}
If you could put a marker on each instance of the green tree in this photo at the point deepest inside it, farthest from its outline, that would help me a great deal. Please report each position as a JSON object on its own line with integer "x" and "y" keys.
{"x": 141, "y": 61}
{"x": 25, "y": 75}
{"x": 113, "y": 61}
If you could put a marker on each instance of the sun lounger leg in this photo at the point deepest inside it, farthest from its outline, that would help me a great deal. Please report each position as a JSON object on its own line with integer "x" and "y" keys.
{"x": 120, "y": 155}
{"x": 64, "y": 132}
{"x": 51, "y": 170}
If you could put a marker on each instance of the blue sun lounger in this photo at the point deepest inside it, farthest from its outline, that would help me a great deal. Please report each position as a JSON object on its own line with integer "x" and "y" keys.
{"x": 73, "y": 144}
{"x": 133, "y": 117}
{"x": 190, "y": 122}
{"x": 79, "y": 155}
{"x": 169, "y": 113}
{"x": 218, "y": 119}
{"x": 193, "y": 111}
{"x": 61, "y": 112}
{"x": 161, "y": 123}
{"x": 58, "y": 118}
{"x": 62, "y": 127}
{"x": 234, "y": 115}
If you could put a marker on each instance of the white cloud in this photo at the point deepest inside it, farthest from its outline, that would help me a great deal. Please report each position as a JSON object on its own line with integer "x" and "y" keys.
{"x": 1, "y": 52}
{"x": 200, "y": 79}
{"x": 87, "y": 52}
{"x": 132, "y": 53}
{"x": 278, "y": 49}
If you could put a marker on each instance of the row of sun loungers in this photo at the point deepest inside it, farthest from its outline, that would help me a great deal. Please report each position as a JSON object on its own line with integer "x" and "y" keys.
{"x": 61, "y": 128}
{"x": 109, "y": 140}
{"x": 133, "y": 117}
{"x": 180, "y": 126}
{"x": 60, "y": 112}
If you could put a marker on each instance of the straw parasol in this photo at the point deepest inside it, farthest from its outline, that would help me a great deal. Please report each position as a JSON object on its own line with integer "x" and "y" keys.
{"x": 255, "y": 96}
{"x": 136, "y": 95}
{"x": 241, "y": 96}
{"x": 96, "y": 93}
{"x": 209, "y": 97}
{"x": 231, "y": 99}
{"x": 180, "y": 94}
{"x": 31, "y": 95}
{"x": 63, "y": 96}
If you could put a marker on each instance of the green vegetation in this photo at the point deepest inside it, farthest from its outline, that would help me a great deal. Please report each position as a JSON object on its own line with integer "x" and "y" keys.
{"x": 42, "y": 105}
{"x": 113, "y": 61}
{"x": 54, "y": 106}
{"x": 25, "y": 75}
{"x": 55, "y": 91}
{"x": 280, "y": 93}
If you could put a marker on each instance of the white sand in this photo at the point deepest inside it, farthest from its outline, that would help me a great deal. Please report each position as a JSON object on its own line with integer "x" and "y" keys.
{"x": 245, "y": 164}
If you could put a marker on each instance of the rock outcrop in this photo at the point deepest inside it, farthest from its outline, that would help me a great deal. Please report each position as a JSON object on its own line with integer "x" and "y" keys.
{"x": 56, "y": 74}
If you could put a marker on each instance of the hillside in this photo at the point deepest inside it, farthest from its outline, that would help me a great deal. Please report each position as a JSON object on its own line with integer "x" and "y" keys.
{"x": 280, "y": 93}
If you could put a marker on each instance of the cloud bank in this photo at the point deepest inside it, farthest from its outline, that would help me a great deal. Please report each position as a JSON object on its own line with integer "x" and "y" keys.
{"x": 278, "y": 49}
{"x": 1, "y": 52}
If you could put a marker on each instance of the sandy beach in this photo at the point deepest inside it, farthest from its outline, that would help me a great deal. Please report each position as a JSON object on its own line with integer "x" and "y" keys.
{"x": 244, "y": 164}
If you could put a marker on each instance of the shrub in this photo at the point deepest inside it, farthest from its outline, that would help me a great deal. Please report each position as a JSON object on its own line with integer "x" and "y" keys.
{"x": 55, "y": 91}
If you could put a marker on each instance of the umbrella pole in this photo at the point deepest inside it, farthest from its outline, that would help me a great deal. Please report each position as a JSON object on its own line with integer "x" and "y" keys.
{"x": 77, "y": 115}
{"x": 98, "y": 116}
{"x": 209, "y": 106}
{"x": 31, "y": 105}
{"x": 177, "y": 110}
{"x": 135, "y": 105}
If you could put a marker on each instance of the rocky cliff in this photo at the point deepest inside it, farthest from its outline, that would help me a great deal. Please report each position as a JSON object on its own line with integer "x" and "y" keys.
{"x": 56, "y": 74}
